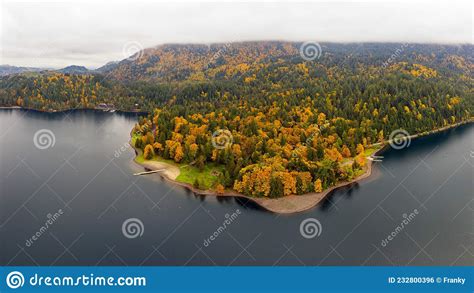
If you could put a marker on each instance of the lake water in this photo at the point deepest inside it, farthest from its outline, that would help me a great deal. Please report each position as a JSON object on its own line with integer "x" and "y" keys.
{"x": 88, "y": 174}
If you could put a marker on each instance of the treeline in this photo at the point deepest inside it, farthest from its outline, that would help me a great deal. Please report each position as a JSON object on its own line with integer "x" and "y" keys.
{"x": 276, "y": 123}
{"x": 292, "y": 127}
{"x": 57, "y": 91}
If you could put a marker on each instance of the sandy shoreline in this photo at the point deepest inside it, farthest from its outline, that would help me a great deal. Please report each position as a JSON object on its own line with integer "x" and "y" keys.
{"x": 283, "y": 205}
{"x": 287, "y": 204}
{"x": 168, "y": 171}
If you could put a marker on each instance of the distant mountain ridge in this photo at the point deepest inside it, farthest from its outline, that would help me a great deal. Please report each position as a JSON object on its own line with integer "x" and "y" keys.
{"x": 8, "y": 69}
{"x": 173, "y": 62}
{"x": 178, "y": 62}
{"x": 376, "y": 80}
{"x": 224, "y": 61}
{"x": 74, "y": 69}
{"x": 107, "y": 67}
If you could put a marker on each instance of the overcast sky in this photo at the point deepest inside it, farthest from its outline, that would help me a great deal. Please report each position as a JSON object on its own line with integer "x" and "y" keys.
{"x": 57, "y": 34}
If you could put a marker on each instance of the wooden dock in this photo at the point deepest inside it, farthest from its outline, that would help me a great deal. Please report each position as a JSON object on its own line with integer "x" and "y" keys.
{"x": 148, "y": 172}
{"x": 375, "y": 158}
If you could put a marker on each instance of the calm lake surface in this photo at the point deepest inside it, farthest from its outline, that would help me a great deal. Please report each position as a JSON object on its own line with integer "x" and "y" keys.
{"x": 88, "y": 173}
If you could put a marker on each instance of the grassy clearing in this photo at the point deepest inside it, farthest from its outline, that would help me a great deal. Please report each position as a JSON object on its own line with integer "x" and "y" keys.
{"x": 207, "y": 178}
{"x": 358, "y": 172}
{"x": 370, "y": 151}
{"x": 134, "y": 138}
{"x": 139, "y": 158}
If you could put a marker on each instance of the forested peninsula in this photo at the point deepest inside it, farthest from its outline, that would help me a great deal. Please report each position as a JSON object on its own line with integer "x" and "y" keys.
{"x": 258, "y": 119}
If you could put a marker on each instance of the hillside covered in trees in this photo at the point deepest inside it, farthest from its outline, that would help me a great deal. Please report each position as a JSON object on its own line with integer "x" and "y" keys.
{"x": 263, "y": 119}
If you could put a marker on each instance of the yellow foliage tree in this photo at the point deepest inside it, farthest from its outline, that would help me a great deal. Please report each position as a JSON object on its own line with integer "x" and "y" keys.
{"x": 318, "y": 185}
{"x": 148, "y": 152}
{"x": 178, "y": 154}
{"x": 360, "y": 159}
{"x": 220, "y": 189}
{"x": 346, "y": 152}
{"x": 193, "y": 150}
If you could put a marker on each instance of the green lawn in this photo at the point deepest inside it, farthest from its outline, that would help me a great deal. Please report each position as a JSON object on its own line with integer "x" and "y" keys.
{"x": 208, "y": 178}
{"x": 358, "y": 172}
{"x": 139, "y": 158}
{"x": 370, "y": 151}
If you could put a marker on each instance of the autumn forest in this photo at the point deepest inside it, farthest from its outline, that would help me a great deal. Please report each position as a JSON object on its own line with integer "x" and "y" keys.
{"x": 258, "y": 118}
